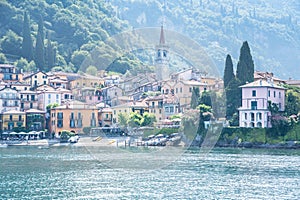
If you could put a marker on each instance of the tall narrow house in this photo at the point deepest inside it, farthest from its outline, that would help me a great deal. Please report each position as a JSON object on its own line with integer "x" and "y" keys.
{"x": 256, "y": 97}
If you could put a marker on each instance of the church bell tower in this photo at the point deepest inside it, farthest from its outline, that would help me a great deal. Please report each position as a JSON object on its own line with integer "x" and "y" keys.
{"x": 162, "y": 58}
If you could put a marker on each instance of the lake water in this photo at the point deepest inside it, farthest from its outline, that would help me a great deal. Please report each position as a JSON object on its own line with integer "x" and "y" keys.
{"x": 73, "y": 173}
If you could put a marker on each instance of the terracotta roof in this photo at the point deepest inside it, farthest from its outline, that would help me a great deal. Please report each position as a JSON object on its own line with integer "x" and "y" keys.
{"x": 261, "y": 83}
{"x": 13, "y": 112}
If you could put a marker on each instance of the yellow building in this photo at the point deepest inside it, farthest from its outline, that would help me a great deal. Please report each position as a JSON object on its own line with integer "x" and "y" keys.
{"x": 105, "y": 116}
{"x": 13, "y": 120}
{"x": 86, "y": 81}
{"x": 73, "y": 116}
{"x": 182, "y": 90}
{"x": 127, "y": 108}
{"x": 156, "y": 106}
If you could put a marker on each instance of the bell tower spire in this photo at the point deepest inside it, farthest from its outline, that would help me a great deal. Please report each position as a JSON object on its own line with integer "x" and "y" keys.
{"x": 162, "y": 58}
{"x": 162, "y": 36}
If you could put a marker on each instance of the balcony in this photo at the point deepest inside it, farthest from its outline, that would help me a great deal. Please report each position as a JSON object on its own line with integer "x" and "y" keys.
{"x": 10, "y": 105}
{"x": 14, "y": 120}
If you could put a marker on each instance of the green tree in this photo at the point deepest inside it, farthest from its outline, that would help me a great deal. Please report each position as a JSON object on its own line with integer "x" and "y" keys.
{"x": 148, "y": 119}
{"x": 11, "y": 43}
{"x": 228, "y": 71}
{"x": 40, "y": 47}
{"x": 92, "y": 70}
{"x": 292, "y": 102}
{"x": 123, "y": 119}
{"x": 2, "y": 58}
{"x": 31, "y": 67}
{"x": 27, "y": 45}
{"x": 78, "y": 57}
{"x": 195, "y": 97}
{"x": 206, "y": 98}
{"x": 245, "y": 66}
{"x": 135, "y": 119}
{"x": 233, "y": 98}
{"x": 50, "y": 54}
{"x": 21, "y": 63}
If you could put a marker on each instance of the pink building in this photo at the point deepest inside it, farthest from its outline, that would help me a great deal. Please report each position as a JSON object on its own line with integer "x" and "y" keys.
{"x": 255, "y": 100}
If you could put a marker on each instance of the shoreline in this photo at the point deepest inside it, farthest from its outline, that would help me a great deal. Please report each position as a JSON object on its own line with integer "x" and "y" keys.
{"x": 127, "y": 141}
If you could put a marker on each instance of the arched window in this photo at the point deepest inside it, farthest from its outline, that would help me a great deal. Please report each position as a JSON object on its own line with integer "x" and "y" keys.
{"x": 259, "y": 124}
{"x": 252, "y": 116}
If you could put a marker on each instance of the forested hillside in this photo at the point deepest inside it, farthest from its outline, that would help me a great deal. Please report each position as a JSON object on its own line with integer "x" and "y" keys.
{"x": 220, "y": 26}
{"x": 71, "y": 29}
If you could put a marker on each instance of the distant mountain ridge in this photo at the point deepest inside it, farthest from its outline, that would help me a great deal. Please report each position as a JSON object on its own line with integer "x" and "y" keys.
{"x": 272, "y": 28}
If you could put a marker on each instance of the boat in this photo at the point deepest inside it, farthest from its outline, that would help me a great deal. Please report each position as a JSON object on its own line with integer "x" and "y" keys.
{"x": 3, "y": 145}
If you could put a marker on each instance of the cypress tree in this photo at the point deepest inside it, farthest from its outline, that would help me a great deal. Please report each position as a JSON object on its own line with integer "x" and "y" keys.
{"x": 195, "y": 97}
{"x": 39, "y": 48}
{"x": 27, "y": 45}
{"x": 228, "y": 71}
{"x": 245, "y": 67}
{"x": 206, "y": 99}
{"x": 233, "y": 98}
{"x": 50, "y": 54}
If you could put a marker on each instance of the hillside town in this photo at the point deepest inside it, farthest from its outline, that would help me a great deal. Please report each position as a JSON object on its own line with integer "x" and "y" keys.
{"x": 57, "y": 101}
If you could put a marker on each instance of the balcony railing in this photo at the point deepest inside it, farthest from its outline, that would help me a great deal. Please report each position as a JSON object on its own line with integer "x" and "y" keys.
{"x": 14, "y": 120}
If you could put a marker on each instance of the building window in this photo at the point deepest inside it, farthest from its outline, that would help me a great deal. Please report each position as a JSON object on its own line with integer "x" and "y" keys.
{"x": 279, "y": 106}
{"x": 259, "y": 116}
{"x": 190, "y": 89}
{"x": 171, "y": 109}
{"x": 253, "y": 93}
{"x": 279, "y": 94}
{"x": 49, "y": 96}
{"x": 180, "y": 90}
{"x": 252, "y": 116}
{"x": 274, "y": 93}
{"x": 153, "y": 104}
{"x": 165, "y": 53}
{"x": 176, "y": 90}
{"x": 167, "y": 109}
{"x": 10, "y": 117}
{"x": 259, "y": 124}
{"x": 245, "y": 116}
{"x": 269, "y": 93}
{"x": 60, "y": 115}
{"x": 160, "y": 104}
{"x": 253, "y": 105}
{"x": 72, "y": 123}
{"x": 31, "y": 105}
